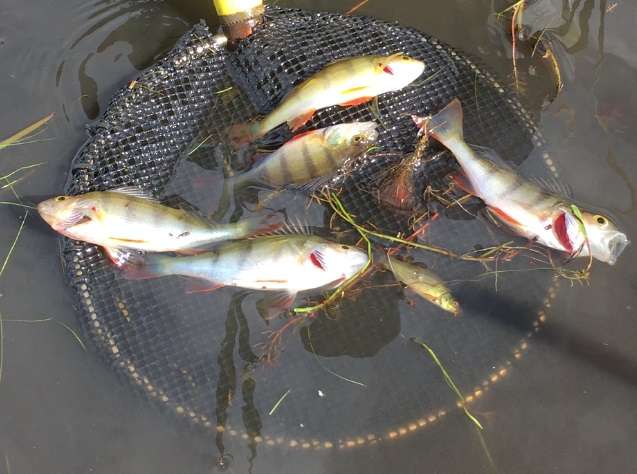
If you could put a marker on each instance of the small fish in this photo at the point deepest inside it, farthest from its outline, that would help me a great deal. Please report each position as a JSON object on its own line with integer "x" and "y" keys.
{"x": 311, "y": 158}
{"x": 282, "y": 264}
{"x": 424, "y": 283}
{"x": 525, "y": 207}
{"x": 128, "y": 217}
{"x": 346, "y": 82}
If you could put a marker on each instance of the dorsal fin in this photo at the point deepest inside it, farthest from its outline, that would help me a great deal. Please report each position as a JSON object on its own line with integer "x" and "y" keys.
{"x": 554, "y": 185}
{"x": 134, "y": 191}
{"x": 287, "y": 228}
{"x": 492, "y": 156}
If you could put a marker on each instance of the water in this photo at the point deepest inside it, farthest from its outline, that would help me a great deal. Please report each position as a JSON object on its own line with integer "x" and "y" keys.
{"x": 564, "y": 408}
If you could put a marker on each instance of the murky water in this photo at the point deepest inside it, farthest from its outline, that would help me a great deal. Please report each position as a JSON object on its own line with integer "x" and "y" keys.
{"x": 567, "y": 405}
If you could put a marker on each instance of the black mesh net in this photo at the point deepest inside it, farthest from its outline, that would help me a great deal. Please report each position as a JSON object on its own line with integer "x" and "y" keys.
{"x": 348, "y": 378}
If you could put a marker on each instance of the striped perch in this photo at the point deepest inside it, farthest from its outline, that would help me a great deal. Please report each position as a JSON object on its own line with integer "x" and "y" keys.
{"x": 311, "y": 157}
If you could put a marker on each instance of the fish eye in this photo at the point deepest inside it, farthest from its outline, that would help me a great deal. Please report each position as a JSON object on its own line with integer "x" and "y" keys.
{"x": 405, "y": 57}
{"x": 345, "y": 247}
{"x": 357, "y": 138}
{"x": 60, "y": 198}
{"x": 601, "y": 220}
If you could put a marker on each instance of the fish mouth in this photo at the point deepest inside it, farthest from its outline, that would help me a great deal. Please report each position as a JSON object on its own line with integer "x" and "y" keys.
{"x": 616, "y": 246}
{"x": 46, "y": 213}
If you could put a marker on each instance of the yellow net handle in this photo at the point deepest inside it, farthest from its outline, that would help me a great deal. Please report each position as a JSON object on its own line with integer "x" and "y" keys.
{"x": 234, "y": 7}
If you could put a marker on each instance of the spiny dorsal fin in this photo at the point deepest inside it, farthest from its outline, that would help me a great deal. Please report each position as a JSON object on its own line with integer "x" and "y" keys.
{"x": 491, "y": 155}
{"x": 295, "y": 227}
{"x": 287, "y": 228}
{"x": 554, "y": 185}
{"x": 134, "y": 191}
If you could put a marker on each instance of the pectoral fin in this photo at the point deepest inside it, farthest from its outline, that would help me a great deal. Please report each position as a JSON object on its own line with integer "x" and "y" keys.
{"x": 504, "y": 217}
{"x": 275, "y": 304}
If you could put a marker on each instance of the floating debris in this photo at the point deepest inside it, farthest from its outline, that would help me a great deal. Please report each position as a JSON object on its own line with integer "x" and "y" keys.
{"x": 19, "y": 137}
{"x": 277, "y": 404}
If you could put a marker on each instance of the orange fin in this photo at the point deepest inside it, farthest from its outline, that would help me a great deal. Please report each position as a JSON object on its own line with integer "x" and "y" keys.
{"x": 461, "y": 181}
{"x": 300, "y": 135}
{"x": 359, "y": 101}
{"x": 301, "y": 120}
{"x": 202, "y": 287}
{"x": 504, "y": 217}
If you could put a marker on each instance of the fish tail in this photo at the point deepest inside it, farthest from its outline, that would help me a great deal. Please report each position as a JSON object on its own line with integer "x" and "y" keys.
{"x": 138, "y": 266}
{"x": 231, "y": 186}
{"x": 241, "y": 134}
{"x": 446, "y": 125}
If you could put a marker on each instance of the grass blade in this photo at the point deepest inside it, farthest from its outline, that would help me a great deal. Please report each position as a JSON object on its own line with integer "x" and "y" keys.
{"x": 73, "y": 332}
{"x": 6, "y": 259}
{"x": 449, "y": 381}
{"x": 1, "y": 347}
{"x": 16, "y": 137}
{"x": 276, "y": 405}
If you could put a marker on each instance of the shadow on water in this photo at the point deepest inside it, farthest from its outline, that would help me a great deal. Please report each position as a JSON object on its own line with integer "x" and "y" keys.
{"x": 560, "y": 337}
{"x": 345, "y": 330}
{"x": 237, "y": 334}
{"x": 142, "y": 30}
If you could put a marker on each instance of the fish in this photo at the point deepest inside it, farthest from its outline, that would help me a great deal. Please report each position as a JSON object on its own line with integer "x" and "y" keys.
{"x": 424, "y": 283}
{"x": 311, "y": 158}
{"x": 130, "y": 217}
{"x": 346, "y": 82}
{"x": 281, "y": 264}
{"x": 530, "y": 210}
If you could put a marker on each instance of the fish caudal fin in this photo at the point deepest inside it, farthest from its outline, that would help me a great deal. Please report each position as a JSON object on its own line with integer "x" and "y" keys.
{"x": 446, "y": 125}
{"x": 244, "y": 133}
{"x": 134, "y": 265}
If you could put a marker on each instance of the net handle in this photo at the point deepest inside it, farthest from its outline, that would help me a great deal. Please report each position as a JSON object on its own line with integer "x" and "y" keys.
{"x": 238, "y": 17}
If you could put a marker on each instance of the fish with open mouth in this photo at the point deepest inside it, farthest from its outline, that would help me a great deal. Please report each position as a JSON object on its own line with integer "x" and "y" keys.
{"x": 527, "y": 208}
{"x": 132, "y": 218}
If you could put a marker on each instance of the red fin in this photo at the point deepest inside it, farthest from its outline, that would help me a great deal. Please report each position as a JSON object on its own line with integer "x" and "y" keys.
{"x": 300, "y": 135}
{"x": 275, "y": 304}
{"x": 268, "y": 229}
{"x": 561, "y": 232}
{"x": 301, "y": 120}
{"x": 131, "y": 263}
{"x": 317, "y": 259}
{"x": 504, "y": 217}
{"x": 388, "y": 70}
{"x": 359, "y": 101}
{"x": 201, "y": 286}
{"x": 461, "y": 181}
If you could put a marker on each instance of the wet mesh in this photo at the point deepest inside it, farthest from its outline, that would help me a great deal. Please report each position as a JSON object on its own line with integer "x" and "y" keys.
{"x": 352, "y": 376}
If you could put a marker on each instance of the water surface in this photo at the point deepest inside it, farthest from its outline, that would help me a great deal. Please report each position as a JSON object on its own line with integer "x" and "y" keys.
{"x": 567, "y": 406}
